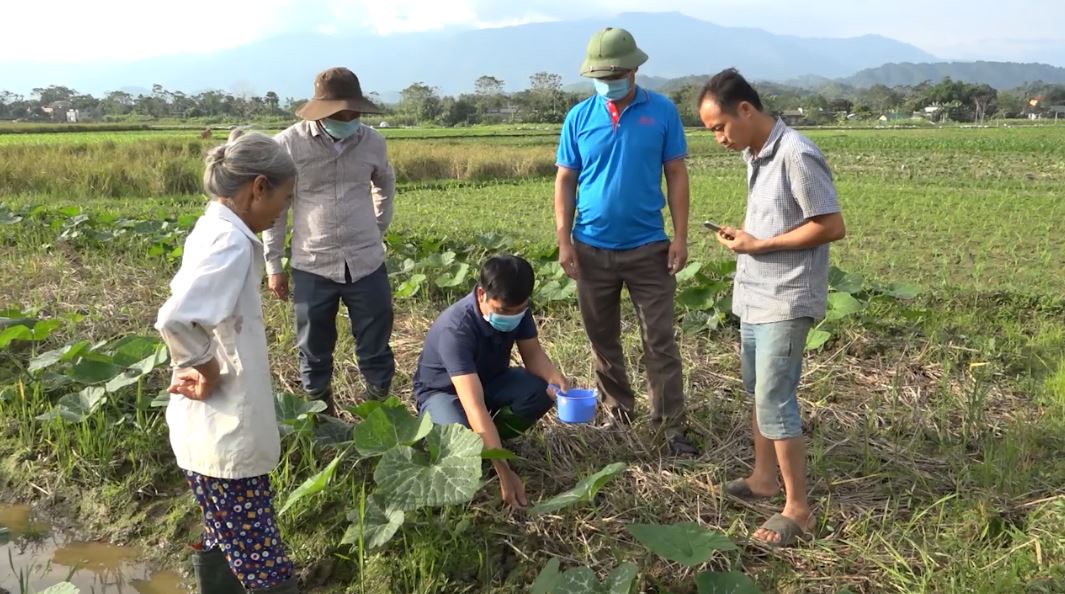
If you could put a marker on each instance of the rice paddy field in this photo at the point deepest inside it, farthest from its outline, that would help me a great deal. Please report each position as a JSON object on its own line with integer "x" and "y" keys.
{"x": 934, "y": 404}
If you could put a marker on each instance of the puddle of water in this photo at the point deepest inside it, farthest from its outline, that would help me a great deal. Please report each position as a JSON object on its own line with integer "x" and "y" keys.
{"x": 19, "y": 520}
{"x": 164, "y": 582}
{"x": 44, "y": 557}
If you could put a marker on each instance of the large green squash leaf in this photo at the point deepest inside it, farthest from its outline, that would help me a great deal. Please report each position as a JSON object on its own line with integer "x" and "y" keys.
{"x": 686, "y": 543}
{"x": 388, "y": 427}
{"x": 449, "y": 474}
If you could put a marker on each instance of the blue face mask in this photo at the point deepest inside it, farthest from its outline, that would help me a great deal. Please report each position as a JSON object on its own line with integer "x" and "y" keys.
{"x": 341, "y": 130}
{"x": 505, "y": 323}
{"x": 613, "y": 90}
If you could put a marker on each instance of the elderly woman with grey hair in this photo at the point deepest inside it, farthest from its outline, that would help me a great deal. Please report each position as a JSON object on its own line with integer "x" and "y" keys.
{"x": 221, "y": 411}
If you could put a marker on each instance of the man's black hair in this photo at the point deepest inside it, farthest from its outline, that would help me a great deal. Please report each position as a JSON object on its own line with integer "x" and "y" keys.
{"x": 728, "y": 89}
{"x": 509, "y": 279}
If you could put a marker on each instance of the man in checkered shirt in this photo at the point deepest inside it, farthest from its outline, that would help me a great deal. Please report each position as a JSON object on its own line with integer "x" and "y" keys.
{"x": 781, "y": 285}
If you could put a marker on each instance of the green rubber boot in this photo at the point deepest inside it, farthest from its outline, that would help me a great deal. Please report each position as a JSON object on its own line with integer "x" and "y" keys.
{"x": 213, "y": 575}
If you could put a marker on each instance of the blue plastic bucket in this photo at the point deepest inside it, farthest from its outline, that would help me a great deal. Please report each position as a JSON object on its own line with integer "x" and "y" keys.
{"x": 577, "y": 406}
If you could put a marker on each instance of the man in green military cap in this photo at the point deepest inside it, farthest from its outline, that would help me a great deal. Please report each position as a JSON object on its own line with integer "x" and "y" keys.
{"x": 612, "y": 153}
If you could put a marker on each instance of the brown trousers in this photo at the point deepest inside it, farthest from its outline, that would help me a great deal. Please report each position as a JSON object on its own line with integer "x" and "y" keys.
{"x": 644, "y": 271}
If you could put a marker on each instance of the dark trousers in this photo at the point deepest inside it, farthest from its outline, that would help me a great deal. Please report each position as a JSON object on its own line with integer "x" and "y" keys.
{"x": 369, "y": 303}
{"x": 516, "y": 399}
{"x": 644, "y": 272}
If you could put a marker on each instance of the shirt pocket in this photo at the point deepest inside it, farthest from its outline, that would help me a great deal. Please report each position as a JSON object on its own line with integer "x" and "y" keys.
{"x": 317, "y": 175}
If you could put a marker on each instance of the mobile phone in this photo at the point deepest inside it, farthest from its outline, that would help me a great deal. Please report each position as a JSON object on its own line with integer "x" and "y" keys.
{"x": 715, "y": 228}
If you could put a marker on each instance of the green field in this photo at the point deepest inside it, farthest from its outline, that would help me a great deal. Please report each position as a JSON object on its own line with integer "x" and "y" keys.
{"x": 936, "y": 423}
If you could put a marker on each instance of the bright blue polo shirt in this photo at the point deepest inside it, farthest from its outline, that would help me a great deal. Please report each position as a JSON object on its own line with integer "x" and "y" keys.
{"x": 619, "y": 194}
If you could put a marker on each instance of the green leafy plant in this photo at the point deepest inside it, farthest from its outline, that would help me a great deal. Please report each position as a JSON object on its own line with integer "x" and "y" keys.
{"x": 418, "y": 465}
{"x": 313, "y": 485}
{"x": 388, "y": 426}
{"x": 705, "y": 295}
{"x": 374, "y": 525}
{"x": 26, "y": 330}
{"x": 104, "y": 369}
{"x": 77, "y": 407}
{"x": 582, "y": 580}
{"x": 293, "y": 412}
{"x": 686, "y": 543}
{"x": 448, "y": 473}
{"x": 848, "y": 296}
{"x": 725, "y": 582}
{"x": 583, "y": 491}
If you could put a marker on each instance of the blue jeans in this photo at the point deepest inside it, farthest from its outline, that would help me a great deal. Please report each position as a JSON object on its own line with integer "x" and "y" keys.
{"x": 520, "y": 391}
{"x": 771, "y": 363}
{"x": 369, "y": 303}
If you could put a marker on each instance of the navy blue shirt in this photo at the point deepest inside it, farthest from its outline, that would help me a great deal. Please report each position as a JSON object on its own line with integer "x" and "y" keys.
{"x": 462, "y": 342}
{"x": 619, "y": 193}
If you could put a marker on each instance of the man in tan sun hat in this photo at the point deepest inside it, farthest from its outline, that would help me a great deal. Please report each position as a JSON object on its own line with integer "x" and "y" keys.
{"x": 341, "y": 209}
{"x": 615, "y": 147}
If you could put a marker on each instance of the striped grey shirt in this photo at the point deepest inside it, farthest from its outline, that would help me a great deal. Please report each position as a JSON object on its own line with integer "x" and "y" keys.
{"x": 788, "y": 183}
{"x": 342, "y": 205}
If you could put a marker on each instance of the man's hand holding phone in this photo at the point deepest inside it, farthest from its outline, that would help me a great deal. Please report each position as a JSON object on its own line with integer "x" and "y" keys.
{"x": 728, "y": 232}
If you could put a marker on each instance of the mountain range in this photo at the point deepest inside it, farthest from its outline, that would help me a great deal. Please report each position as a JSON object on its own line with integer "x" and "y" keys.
{"x": 452, "y": 60}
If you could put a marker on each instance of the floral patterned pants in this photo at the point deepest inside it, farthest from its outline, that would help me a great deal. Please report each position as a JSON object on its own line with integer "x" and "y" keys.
{"x": 238, "y": 518}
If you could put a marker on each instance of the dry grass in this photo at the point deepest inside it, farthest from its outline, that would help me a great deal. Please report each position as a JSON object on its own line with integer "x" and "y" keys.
{"x": 891, "y": 441}
{"x": 167, "y": 167}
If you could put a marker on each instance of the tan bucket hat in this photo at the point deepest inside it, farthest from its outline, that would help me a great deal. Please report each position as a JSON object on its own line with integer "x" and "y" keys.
{"x": 611, "y": 51}
{"x": 335, "y": 90}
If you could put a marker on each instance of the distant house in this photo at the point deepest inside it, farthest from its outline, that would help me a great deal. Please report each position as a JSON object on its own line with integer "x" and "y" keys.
{"x": 1056, "y": 111}
{"x": 896, "y": 116}
{"x": 932, "y": 113}
{"x": 1036, "y": 109}
{"x": 507, "y": 112}
{"x": 59, "y": 106}
{"x": 61, "y": 111}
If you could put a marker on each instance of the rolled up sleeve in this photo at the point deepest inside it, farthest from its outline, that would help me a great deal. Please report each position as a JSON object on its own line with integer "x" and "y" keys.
{"x": 274, "y": 242}
{"x": 274, "y": 237}
{"x": 202, "y": 296}
{"x": 384, "y": 193}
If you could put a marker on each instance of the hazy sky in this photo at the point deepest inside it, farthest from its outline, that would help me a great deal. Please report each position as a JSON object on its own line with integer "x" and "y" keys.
{"x": 77, "y": 31}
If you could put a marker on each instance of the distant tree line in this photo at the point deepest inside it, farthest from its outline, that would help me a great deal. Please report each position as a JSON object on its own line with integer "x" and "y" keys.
{"x": 544, "y": 100}
{"x": 52, "y": 104}
{"x": 947, "y": 100}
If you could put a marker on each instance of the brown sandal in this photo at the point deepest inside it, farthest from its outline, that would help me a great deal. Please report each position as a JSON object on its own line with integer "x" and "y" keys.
{"x": 787, "y": 529}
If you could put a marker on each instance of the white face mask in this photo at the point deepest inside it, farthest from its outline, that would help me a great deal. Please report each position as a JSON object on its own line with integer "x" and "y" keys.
{"x": 505, "y": 323}
{"x": 612, "y": 89}
{"x": 341, "y": 130}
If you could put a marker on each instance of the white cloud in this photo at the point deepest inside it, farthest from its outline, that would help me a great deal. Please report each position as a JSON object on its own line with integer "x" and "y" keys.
{"x": 404, "y": 16}
{"x": 75, "y": 31}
